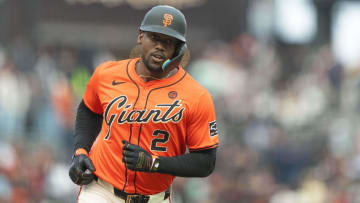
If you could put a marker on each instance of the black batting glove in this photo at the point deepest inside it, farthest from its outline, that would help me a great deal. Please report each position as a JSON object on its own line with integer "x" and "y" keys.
{"x": 81, "y": 170}
{"x": 136, "y": 158}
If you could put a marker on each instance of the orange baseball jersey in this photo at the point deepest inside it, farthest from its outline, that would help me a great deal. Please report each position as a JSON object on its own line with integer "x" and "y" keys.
{"x": 165, "y": 117}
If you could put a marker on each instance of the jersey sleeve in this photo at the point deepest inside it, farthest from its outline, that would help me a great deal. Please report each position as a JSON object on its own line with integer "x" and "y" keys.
{"x": 202, "y": 132}
{"x": 91, "y": 96}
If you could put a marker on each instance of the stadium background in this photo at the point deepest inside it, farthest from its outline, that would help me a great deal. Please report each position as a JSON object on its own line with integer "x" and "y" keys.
{"x": 284, "y": 75}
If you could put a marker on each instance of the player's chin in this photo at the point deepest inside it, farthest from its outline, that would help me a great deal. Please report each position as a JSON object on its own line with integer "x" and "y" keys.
{"x": 152, "y": 65}
{"x": 156, "y": 67}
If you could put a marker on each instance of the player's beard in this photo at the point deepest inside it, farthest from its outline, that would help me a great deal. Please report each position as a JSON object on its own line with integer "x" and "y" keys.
{"x": 152, "y": 67}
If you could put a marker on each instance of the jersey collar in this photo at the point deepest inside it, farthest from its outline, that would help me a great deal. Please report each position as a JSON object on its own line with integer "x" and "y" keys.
{"x": 156, "y": 83}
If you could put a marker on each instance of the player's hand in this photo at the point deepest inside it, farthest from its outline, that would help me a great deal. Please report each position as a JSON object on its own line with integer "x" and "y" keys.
{"x": 81, "y": 170}
{"x": 136, "y": 158}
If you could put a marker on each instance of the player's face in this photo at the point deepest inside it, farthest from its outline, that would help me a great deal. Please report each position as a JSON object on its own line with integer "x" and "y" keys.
{"x": 156, "y": 49}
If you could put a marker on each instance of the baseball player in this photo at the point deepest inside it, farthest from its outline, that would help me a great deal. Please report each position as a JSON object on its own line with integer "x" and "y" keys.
{"x": 144, "y": 121}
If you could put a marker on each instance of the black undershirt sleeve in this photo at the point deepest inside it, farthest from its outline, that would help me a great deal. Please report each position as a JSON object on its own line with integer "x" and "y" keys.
{"x": 87, "y": 127}
{"x": 193, "y": 164}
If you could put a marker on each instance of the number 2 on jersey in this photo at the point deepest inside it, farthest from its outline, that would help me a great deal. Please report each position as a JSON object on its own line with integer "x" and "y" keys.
{"x": 158, "y": 139}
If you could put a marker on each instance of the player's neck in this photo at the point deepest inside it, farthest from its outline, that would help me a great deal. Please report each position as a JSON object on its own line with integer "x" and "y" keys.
{"x": 148, "y": 75}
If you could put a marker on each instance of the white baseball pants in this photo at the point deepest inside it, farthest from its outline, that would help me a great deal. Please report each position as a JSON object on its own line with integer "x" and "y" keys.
{"x": 102, "y": 192}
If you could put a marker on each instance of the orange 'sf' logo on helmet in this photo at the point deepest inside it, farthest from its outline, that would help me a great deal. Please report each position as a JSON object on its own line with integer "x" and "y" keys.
{"x": 168, "y": 18}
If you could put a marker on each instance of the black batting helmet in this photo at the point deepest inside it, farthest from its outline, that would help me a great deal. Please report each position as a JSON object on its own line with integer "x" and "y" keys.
{"x": 165, "y": 20}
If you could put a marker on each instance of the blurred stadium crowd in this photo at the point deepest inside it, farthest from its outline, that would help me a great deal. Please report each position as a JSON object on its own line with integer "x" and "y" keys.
{"x": 288, "y": 128}
{"x": 286, "y": 135}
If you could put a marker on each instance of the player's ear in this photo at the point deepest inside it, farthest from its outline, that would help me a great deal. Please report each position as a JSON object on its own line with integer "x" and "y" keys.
{"x": 140, "y": 36}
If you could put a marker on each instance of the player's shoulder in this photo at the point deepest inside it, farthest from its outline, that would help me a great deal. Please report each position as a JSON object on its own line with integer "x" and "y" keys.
{"x": 110, "y": 67}
{"x": 197, "y": 90}
{"x": 112, "y": 64}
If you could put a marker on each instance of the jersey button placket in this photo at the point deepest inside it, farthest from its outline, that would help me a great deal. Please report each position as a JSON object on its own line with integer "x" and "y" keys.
{"x": 142, "y": 98}
{"x": 136, "y": 128}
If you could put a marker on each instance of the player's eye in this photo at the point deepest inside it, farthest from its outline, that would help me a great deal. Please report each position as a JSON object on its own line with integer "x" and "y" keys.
{"x": 154, "y": 37}
{"x": 168, "y": 41}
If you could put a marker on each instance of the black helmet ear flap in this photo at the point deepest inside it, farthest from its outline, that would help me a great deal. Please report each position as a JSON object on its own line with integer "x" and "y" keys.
{"x": 175, "y": 61}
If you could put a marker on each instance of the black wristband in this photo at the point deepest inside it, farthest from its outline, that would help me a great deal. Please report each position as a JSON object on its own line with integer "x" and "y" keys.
{"x": 155, "y": 165}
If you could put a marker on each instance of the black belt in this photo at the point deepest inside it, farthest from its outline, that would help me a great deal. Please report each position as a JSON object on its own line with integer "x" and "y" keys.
{"x": 134, "y": 198}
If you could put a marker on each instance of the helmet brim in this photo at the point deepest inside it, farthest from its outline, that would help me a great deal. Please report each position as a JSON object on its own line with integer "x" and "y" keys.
{"x": 163, "y": 30}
